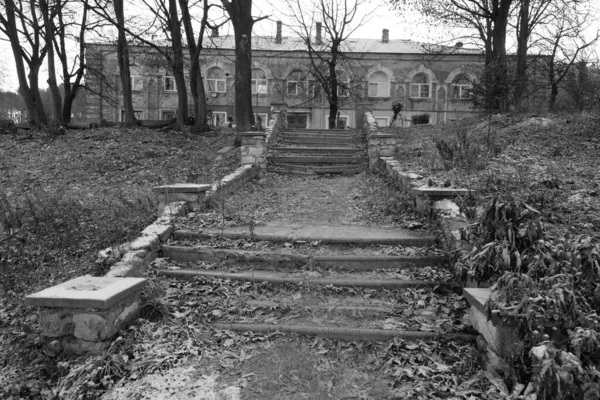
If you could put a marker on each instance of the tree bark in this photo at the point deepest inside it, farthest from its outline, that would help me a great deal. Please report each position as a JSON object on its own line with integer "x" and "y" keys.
{"x": 196, "y": 81}
{"x": 49, "y": 32}
{"x": 178, "y": 63}
{"x": 28, "y": 90}
{"x": 123, "y": 61}
{"x": 522, "y": 43}
{"x": 333, "y": 84}
{"x": 240, "y": 12}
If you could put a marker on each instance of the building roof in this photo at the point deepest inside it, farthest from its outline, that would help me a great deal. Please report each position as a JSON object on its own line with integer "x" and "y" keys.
{"x": 352, "y": 45}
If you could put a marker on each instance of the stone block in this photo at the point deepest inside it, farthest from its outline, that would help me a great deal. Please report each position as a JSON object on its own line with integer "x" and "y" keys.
{"x": 447, "y": 208}
{"x": 503, "y": 339}
{"x": 146, "y": 242}
{"x": 163, "y": 231}
{"x": 133, "y": 263}
{"x": 91, "y": 309}
{"x": 181, "y": 188}
{"x": 440, "y": 192}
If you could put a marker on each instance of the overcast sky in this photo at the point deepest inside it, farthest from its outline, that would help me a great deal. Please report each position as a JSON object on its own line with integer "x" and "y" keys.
{"x": 379, "y": 17}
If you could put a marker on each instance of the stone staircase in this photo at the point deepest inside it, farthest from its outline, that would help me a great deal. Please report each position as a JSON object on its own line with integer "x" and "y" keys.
{"x": 331, "y": 281}
{"x": 314, "y": 151}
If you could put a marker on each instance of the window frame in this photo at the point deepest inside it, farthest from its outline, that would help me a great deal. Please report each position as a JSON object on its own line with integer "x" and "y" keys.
{"x": 345, "y": 118}
{"x": 169, "y": 77}
{"x": 265, "y": 119}
{"x": 133, "y": 80}
{"x": 135, "y": 113}
{"x": 213, "y": 116}
{"x": 462, "y": 86}
{"x": 297, "y": 83}
{"x": 420, "y": 86}
{"x": 213, "y": 83}
{"x": 163, "y": 112}
{"x": 379, "y": 93}
{"x": 254, "y": 83}
{"x": 387, "y": 120}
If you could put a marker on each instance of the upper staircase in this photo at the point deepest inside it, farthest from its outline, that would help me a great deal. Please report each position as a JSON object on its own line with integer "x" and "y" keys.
{"x": 317, "y": 151}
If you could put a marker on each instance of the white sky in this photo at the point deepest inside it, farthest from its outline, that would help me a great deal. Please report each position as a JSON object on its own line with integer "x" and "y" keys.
{"x": 380, "y": 16}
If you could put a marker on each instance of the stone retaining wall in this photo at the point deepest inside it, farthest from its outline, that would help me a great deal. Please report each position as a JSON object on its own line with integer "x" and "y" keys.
{"x": 379, "y": 144}
{"x": 255, "y": 144}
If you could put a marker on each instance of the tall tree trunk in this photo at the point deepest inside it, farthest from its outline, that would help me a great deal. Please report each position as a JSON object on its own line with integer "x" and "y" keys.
{"x": 500, "y": 24}
{"x": 178, "y": 64}
{"x": 49, "y": 33}
{"x": 240, "y": 12}
{"x": 123, "y": 61}
{"x": 333, "y": 84}
{"x": 35, "y": 107}
{"x": 71, "y": 88}
{"x": 522, "y": 43}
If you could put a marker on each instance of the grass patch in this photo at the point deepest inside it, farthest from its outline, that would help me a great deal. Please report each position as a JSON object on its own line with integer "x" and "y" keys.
{"x": 63, "y": 198}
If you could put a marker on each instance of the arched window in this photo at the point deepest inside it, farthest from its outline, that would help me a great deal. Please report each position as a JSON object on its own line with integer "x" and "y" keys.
{"x": 297, "y": 83}
{"x": 420, "y": 87}
{"x": 259, "y": 81}
{"x": 379, "y": 85}
{"x": 462, "y": 87}
{"x": 216, "y": 81}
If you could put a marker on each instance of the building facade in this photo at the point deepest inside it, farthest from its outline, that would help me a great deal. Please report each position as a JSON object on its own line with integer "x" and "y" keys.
{"x": 425, "y": 79}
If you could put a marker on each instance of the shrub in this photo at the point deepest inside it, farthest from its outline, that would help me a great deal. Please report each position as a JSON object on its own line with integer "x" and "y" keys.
{"x": 420, "y": 119}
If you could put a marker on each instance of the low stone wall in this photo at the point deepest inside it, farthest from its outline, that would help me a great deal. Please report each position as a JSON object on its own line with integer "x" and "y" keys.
{"x": 231, "y": 183}
{"x": 379, "y": 144}
{"x": 430, "y": 200}
{"x": 255, "y": 144}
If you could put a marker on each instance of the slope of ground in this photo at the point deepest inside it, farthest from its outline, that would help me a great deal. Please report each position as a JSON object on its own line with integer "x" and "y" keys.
{"x": 63, "y": 198}
{"x": 550, "y": 163}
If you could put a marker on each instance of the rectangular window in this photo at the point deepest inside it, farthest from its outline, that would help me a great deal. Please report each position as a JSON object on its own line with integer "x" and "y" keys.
{"x": 137, "y": 83}
{"x": 462, "y": 92}
{"x": 314, "y": 88}
{"x": 138, "y": 114}
{"x": 261, "y": 120}
{"x": 170, "y": 84}
{"x": 419, "y": 90}
{"x": 216, "y": 85}
{"x": 259, "y": 86}
{"x": 218, "y": 118}
{"x": 296, "y": 87}
{"x": 379, "y": 89}
{"x": 168, "y": 115}
{"x": 382, "y": 121}
{"x": 343, "y": 121}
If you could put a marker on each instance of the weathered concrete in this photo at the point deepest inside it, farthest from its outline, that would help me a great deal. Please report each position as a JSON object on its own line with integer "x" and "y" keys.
{"x": 324, "y": 234}
{"x": 503, "y": 339}
{"x": 86, "y": 311}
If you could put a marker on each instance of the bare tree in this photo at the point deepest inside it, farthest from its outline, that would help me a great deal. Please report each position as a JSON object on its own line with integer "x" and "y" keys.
{"x": 334, "y": 21}
{"x": 73, "y": 68}
{"x": 563, "y": 38}
{"x": 240, "y": 14}
{"x": 20, "y": 23}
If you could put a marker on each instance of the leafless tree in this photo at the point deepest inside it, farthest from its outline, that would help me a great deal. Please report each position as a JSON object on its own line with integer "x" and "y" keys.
{"x": 240, "y": 14}
{"x": 21, "y": 24}
{"x": 334, "y": 22}
{"x": 563, "y": 38}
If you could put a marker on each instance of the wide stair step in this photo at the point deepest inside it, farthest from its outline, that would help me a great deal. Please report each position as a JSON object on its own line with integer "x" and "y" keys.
{"x": 324, "y": 159}
{"x": 335, "y": 151}
{"x": 281, "y": 261}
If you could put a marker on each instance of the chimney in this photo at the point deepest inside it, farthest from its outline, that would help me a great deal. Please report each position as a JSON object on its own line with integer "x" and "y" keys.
{"x": 215, "y": 32}
{"x": 385, "y": 37}
{"x": 319, "y": 38}
{"x": 278, "y": 35}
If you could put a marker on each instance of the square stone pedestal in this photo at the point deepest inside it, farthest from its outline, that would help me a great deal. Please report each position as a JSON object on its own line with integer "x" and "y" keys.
{"x": 502, "y": 338}
{"x": 193, "y": 194}
{"x": 86, "y": 311}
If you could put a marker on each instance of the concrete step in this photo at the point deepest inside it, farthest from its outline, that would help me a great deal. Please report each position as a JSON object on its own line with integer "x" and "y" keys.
{"x": 273, "y": 260}
{"x": 325, "y": 159}
{"x": 316, "y": 135}
{"x": 317, "y": 150}
{"x": 320, "y": 131}
{"x": 317, "y": 143}
{"x": 311, "y": 169}
{"x": 276, "y": 277}
{"x": 357, "y": 235}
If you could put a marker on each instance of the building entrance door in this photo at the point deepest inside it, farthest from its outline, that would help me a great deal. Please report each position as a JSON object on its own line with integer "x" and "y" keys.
{"x": 297, "y": 121}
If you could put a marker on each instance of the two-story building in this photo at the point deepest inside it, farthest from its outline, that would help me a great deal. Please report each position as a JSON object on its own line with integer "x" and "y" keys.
{"x": 425, "y": 79}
